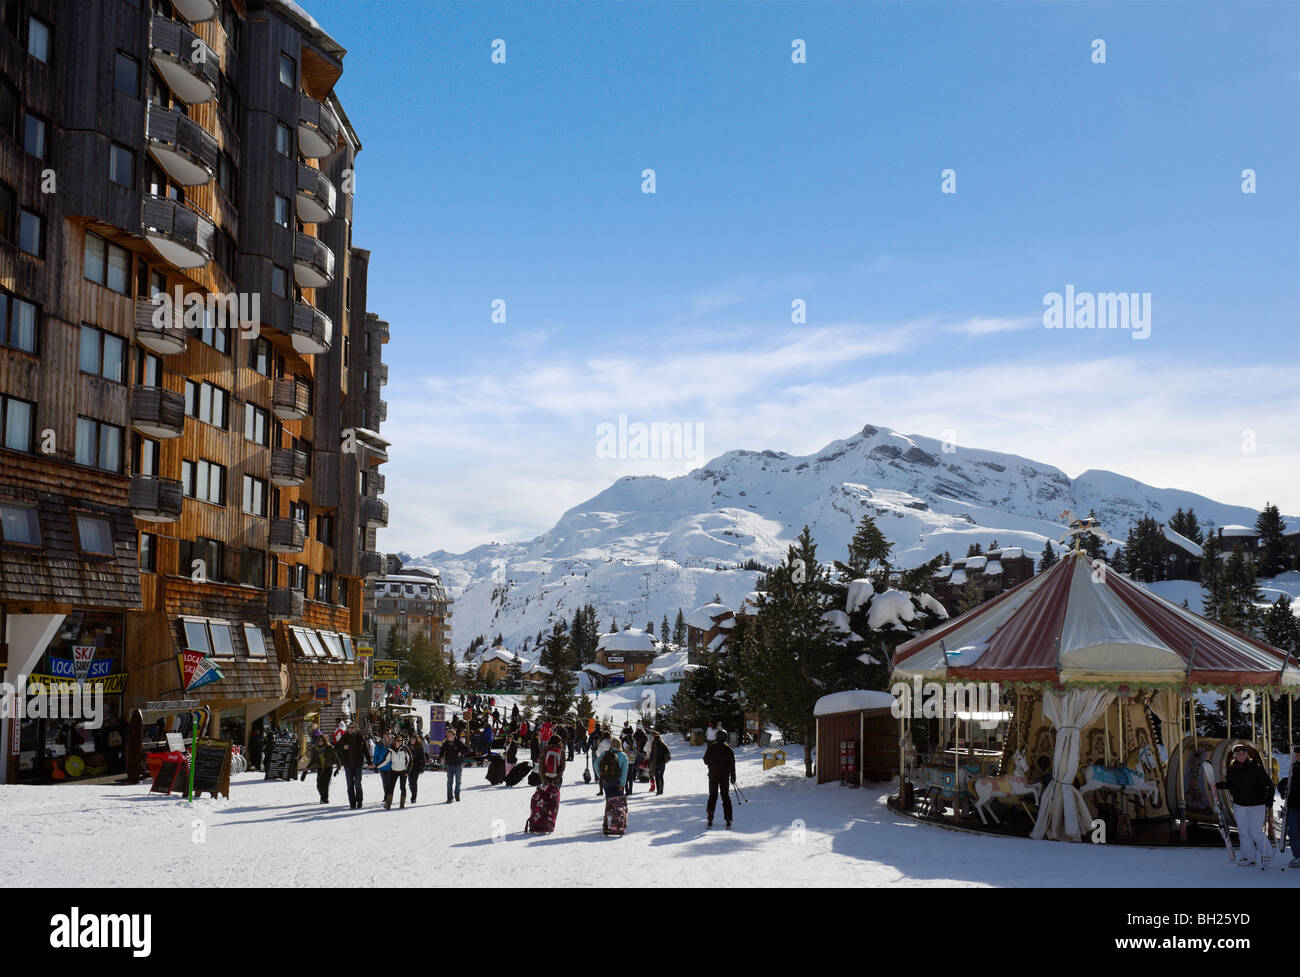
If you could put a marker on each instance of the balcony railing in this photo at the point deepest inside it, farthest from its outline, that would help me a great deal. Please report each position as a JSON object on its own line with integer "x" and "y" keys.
{"x": 290, "y": 399}
{"x": 311, "y": 329}
{"x": 374, "y": 513}
{"x": 377, "y": 326}
{"x": 157, "y": 413}
{"x": 190, "y": 68}
{"x": 286, "y": 535}
{"x": 371, "y": 564}
{"x": 288, "y": 466}
{"x": 317, "y": 199}
{"x": 313, "y": 262}
{"x": 318, "y": 128}
{"x": 374, "y": 485}
{"x": 154, "y": 499}
{"x": 380, "y": 373}
{"x": 376, "y": 407}
{"x": 180, "y": 234}
{"x": 284, "y": 604}
{"x": 161, "y": 336}
{"x": 182, "y": 147}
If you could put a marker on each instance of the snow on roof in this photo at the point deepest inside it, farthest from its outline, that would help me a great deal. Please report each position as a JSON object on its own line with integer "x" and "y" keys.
{"x": 749, "y": 606}
{"x": 1182, "y": 542}
{"x": 967, "y": 654}
{"x": 860, "y": 592}
{"x": 633, "y": 639}
{"x": 1012, "y": 553}
{"x": 497, "y": 654}
{"x": 943, "y": 572}
{"x": 600, "y": 669}
{"x": 538, "y": 669}
{"x": 718, "y": 641}
{"x": 703, "y": 618}
{"x": 891, "y": 609}
{"x": 976, "y": 562}
{"x": 1236, "y": 531}
{"x": 993, "y": 567}
{"x": 852, "y": 701}
{"x": 958, "y": 576}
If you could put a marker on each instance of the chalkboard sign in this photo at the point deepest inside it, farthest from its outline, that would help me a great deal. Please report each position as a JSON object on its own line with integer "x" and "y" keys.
{"x": 283, "y": 764}
{"x": 212, "y": 768}
{"x": 167, "y": 771}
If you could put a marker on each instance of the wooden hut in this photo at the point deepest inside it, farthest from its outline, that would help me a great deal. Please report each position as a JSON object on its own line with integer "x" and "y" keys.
{"x": 857, "y": 737}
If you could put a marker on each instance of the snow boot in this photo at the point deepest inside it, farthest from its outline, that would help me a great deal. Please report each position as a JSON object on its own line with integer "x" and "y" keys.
{"x": 388, "y": 802}
{"x": 728, "y": 825}
{"x": 403, "y": 803}
{"x": 710, "y": 822}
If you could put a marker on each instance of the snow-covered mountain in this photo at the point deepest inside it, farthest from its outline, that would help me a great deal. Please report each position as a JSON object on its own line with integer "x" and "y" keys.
{"x": 646, "y": 546}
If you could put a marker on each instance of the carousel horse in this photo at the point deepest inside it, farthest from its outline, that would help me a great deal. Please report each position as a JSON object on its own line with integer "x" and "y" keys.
{"x": 1097, "y": 776}
{"x": 1011, "y": 785}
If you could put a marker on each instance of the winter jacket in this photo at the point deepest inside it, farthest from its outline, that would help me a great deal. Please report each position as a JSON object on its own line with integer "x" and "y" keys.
{"x": 399, "y": 760}
{"x": 383, "y": 757}
{"x": 721, "y": 761}
{"x": 1251, "y": 786}
{"x": 323, "y": 756}
{"x": 417, "y": 755}
{"x": 352, "y": 750}
{"x": 659, "y": 754}
{"x": 512, "y": 753}
{"x": 622, "y": 766}
{"x": 454, "y": 752}
{"x": 640, "y": 738}
{"x": 558, "y": 753}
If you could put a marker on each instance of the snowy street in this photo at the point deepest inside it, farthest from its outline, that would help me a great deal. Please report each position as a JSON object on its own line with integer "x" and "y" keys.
{"x": 792, "y": 833}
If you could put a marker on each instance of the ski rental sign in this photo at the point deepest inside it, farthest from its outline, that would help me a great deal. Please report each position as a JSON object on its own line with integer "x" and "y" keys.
{"x": 197, "y": 670}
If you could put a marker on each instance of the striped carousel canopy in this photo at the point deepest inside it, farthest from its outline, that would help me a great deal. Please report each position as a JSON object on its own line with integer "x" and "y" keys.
{"x": 1073, "y": 625}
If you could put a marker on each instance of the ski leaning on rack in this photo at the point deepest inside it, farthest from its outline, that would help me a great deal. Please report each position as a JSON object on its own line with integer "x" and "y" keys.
{"x": 1221, "y": 812}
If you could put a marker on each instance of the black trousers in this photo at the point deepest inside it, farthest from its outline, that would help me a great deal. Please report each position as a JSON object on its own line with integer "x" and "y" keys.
{"x": 414, "y": 776}
{"x": 717, "y": 784}
{"x": 353, "y": 775}
{"x": 323, "y": 776}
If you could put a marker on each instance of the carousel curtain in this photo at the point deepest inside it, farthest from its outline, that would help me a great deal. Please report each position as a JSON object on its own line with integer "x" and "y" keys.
{"x": 1062, "y": 815}
{"x": 1166, "y": 705}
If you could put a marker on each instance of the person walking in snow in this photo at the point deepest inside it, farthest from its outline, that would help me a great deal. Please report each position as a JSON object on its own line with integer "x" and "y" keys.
{"x": 709, "y": 734}
{"x": 327, "y": 765}
{"x": 1252, "y": 796}
{"x": 721, "y": 761}
{"x": 553, "y": 764}
{"x": 611, "y": 768}
{"x": 601, "y": 748}
{"x": 416, "y": 748}
{"x": 383, "y": 762}
{"x": 658, "y": 759}
{"x": 399, "y": 763}
{"x": 454, "y": 752}
{"x": 352, "y": 752}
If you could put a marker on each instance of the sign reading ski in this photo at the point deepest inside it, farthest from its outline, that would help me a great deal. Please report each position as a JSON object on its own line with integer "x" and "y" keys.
{"x": 1097, "y": 679}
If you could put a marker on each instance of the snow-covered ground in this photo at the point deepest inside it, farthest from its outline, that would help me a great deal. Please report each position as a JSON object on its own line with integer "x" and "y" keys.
{"x": 792, "y": 833}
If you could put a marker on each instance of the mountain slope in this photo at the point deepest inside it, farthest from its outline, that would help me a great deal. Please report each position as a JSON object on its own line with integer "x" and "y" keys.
{"x": 648, "y": 545}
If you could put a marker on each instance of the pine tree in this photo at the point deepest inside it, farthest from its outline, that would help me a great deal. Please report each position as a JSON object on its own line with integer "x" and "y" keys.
{"x": 870, "y": 553}
{"x": 993, "y": 545}
{"x": 679, "y": 629}
{"x": 556, "y": 689}
{"x": 584, "y": 707}
{"x": 1212, "y": 578}
{"x": 1118, "y": 561}
{"x": 1280, "y": 627}
{"x": 663, "y": 631}
{"x": 969, "y": 596}
{"x": 946, "y": 559}
{"x": 515, "y": 674}
{"x": 974, "y": 550}
{"x": 1048, "y": 559}
{"x": 1238, "y": 610}
{"x": 1272, "y": 544}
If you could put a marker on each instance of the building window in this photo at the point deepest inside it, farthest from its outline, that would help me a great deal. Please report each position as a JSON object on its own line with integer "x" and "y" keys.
{"x": 288, "y": 71}
{"x": 282, "y": 210}
{"x": 256, "y": 425}
{"x": 324, "y": 585}
{"x": 302, "y": 512}
{"x": 325, "y": 529}
{"x": 254, "y": 496}
{"x": 19, "y": 524}
{"x": 121, "y": 166}
{"x": 34, "y": 135}
{"x": 204, "y": 480}
{"x": 148, "y": 370}
{"x": 252, "y": 568}
{"x": 16, "y": 417}
{"x": 10, "y": 105}
{"x": 107, "y": 264}
{"x": 38, "y": 40}
{"x": 227, "y": 175}
{"x": 222, "y": 646}
{"x": 259, "y": 356}
{"x": 31, "y": 232}
{"x": 300, "y": 578}
{"x": 206, "y": 403}
{"x": 256, "y": 641}
{"x": 94, "y": 535}
{"x": 210, "y": 552}
{"x": 212, "y": 333}
{"x": 279, "y": 281}
{"x": 102, "y": 354}
{"x": 126, "y": 75}
{"x": 18, "y": 319}
{"x": 145, "y": 452}
{"x": 148, "y": 553}
{"x": 99, "y": 445}
{"x": 283, "y": 139}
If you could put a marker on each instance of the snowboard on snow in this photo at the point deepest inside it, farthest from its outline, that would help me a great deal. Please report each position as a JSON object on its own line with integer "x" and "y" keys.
{"x": 545, "y": 809}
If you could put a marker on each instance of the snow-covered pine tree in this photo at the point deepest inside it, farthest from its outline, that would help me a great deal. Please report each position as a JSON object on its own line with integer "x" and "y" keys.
{"x": 679, "y": 629}
{"x": 1272, "y": 544}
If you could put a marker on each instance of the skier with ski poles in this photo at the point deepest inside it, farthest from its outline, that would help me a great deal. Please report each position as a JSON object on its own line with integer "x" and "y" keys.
{"x": 1252, "y": 797}
{"x": 721, "y": 761}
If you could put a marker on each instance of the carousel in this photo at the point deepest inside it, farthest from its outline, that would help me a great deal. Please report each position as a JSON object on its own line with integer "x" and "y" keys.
{"x": 1069, "y": 702}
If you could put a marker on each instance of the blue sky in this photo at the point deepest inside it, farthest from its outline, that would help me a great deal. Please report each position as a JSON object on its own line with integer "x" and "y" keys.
{"x": 821, "y": 181}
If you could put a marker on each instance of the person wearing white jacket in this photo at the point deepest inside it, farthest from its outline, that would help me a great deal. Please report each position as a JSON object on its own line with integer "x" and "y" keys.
{"x": 399, "y": 759}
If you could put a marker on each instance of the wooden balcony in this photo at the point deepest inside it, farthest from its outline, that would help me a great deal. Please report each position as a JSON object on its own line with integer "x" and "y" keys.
{"x": 376, "y": 407}
{"x": 190, "y": 68}
{"x": 286, "y": 535}
{"x": 154, "y": 499}
{"x": 318, "y": 128}
{"x": 372, "y": 564}
{"x": 184, "y": 149}
{"x": 290, "y": 399}
{"x": 157, "y": 413}
{"x": 317, "y": 198}
{"x": 182, "y": 235}
{"x": 288, "y": 467}
{"x": 284, "y": 604}
{"x": 157, "y": 335}
{"x": 374, "y": 485}
{"x": 313, "y": 262}
{"x": 374, "y": 513}
{"x": 380, "y": 329}
{"x": 311, "y": 330}
{"x": 379, "y": 372}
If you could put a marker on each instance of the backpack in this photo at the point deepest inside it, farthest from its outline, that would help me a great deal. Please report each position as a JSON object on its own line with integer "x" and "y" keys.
{"x": 552, "y": 763}
{"x": 609, "y": 768}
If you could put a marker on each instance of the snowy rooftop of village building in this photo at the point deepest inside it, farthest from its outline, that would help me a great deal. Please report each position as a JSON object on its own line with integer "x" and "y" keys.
{"x": 1011, "y": 553}
{"x": 598, "y": 669}
{"x": 1181, "y": 541}
{"x": 993, "y": 567}
{"x": 959, "y": 575}
{"x": 1237, "y": 531}
{"x": 976, "y": 562}
{"x": 749, "y": 606}
{"x": 703, "y": 618}
{"x": 633, "y": 639}
{"x": 497, "y": 654}
{"x": 944, "y": 572}
{"x": 852, "y": 701}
